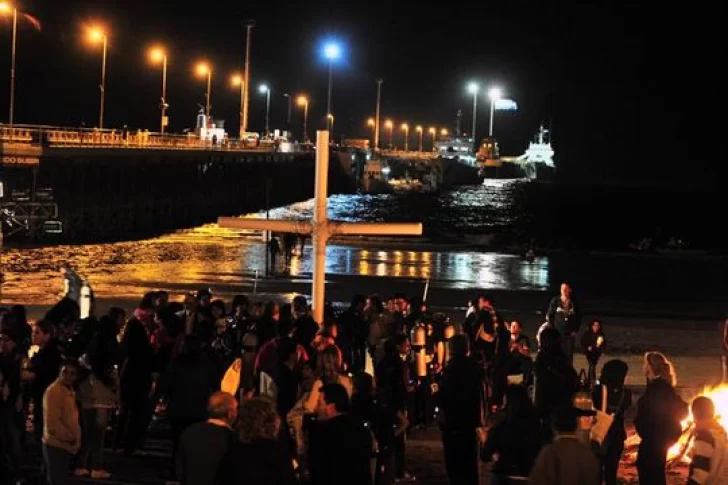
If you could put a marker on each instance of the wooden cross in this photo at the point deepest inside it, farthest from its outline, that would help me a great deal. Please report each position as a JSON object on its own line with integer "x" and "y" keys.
{"x": 320, "y": 227}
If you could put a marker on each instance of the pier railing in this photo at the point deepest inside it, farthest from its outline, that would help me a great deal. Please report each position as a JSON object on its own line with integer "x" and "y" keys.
{"x": 58, "y": 137}
{"x": 404, "y": 155}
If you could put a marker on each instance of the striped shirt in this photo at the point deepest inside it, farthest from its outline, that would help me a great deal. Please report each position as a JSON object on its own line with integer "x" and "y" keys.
{"x": 708, "y": 461}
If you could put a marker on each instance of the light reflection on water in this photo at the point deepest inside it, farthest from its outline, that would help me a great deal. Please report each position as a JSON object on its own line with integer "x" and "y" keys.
{"x": 210, "y": 255}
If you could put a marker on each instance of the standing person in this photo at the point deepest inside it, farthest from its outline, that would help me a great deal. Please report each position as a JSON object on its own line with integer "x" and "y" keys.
{"x": 659, "y": 412}
{"x": 566, "y": 461}
{"x": 563, "y": 315}
{"x": 461, "y": 412}
{"x": 11, "y": 406}
{"x": 42, "y": 370}
{"x": 97, "y": 395}
{"x": 593, "y": 344}
{"x": 71, "y": 283}
{"x": 707, "y": 456}
{"x": 61, "y": 431}
{"x": 203, "y": 445}
{"x": 304, "y": 326}
{"x": 340, "y": 447}
{"x": 619, "y": 399}
{"x": 258, "y": 456}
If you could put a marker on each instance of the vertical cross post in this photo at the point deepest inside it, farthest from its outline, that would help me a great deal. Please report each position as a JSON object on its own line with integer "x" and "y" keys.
{"x": 320, "y": 224}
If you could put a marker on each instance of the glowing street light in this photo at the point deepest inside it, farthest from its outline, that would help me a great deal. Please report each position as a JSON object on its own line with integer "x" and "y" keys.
{"x": 373, "y": 124}
{"x": 157, "y": 55}
{"x": 494, "y": 94}
{"x": 98, "y": 35}
{"x": 473, "y": 89}
{"x": 203, "y": 69}
{"x": 330, "y": 121}
{"x": 405, "y": 128}
{"x": 238, "y": 81}
{"x": 418, "y": 129}
{"x": 389, "y": 124}
{"x": 332, "y": 52}
{"x": 303, "y": 101}
{"x": 264, "y": 89}
{"x": 443, "y": 132}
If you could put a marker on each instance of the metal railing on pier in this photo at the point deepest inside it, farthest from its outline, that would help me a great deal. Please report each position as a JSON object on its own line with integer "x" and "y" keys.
{"x": 58, "y": 137}
{"x": 406, "y": 155}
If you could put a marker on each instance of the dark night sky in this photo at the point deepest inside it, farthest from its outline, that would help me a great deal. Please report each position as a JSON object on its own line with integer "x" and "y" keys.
{"x": 634, "y": 90}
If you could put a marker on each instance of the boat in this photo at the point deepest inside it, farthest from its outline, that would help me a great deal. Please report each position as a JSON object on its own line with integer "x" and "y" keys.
{"x": 537, "y": 162}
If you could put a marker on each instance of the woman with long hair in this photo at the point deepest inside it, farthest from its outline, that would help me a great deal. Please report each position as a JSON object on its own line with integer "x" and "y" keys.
{"x": 659, "y": 413}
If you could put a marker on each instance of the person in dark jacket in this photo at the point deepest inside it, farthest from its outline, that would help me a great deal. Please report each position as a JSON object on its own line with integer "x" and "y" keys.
{"x": 258, "y": 457}
{"x": 11, "y": 419}
{"x": 563, "y": 315}
{"x": 619, "y": 399}
{"x": 556, "y": 379}
{"x": 593, "y": 344}
{"x": 43, "y": 370}
{"x": 203, "y": 445}
{"x": 659, "y": 412}
{"x": 514, "y": 442}
{"x": 340, "y": 446}
{"x": 461, "y": 412}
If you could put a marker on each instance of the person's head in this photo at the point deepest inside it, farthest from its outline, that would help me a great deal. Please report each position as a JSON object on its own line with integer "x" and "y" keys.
{"x": 565, "y": 291}
{"x": 241, "y": 305}
{"x": 191, "y": 303}
{"x": 217, "y": 307}
{"x": 65, "y": 268}
{"x": 516, "y": 328}
{"x": 703, "y": 410}
{"x": 147, "y": 302}
{"x": 484, "y": 301}
{"x": 402, "y": 344}
{"x": 69, "y": 373}
{"x": 8, "y": 341}
{"x": 222, "y": 406}
{"x": 161, "y": 299}
{"x": 118, "y": 316}
{"x": 258, "y": 420}
{"x": 551, "y": 341}
{"x": 328, "y": 366}
{"x": 596, "y": 326}
{"x": 656, "y": 366}
{"x": 565, "y": 420}
{"x": 258, "y": 308}
{"x": 300, "y": 306}
{"x": 358, "y": 302}
{"x": 43, "y": 332}
{"x": 614, "y": 373}
{"x": 272, "y": 310}
{"x": 459, "y": 345}
{"x": 334, "y": 401}
{"x": 374, "y": 304}
{"x": 204, "y": 296}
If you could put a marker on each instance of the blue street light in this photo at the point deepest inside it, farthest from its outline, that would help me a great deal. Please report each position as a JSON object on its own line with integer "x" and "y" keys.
{"x": 332, "y": 52}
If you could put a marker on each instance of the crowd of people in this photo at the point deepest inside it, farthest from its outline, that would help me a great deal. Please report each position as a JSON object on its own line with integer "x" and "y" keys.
{"x": 261, "y": 393}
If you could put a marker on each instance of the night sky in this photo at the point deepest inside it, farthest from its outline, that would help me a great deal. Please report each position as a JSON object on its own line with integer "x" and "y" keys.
{"x": 634, "y": 91}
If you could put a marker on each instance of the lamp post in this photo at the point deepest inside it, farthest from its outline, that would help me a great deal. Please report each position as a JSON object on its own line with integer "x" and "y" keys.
{"x": 6, "y": 8}
{"x": 330, "y": 123}
{"x": 373, "y": 125}
{"x": 249, "y": 24}
{"x": 376, "y": 115}
{"x": 236, "y": 80}
{"x": 494, "y": 94}
{"x": 97, "y": 35}
{"x": 418, "y": 129}
{"x": 290, "y": 102}
{"x": 433, "y": 133}
{"x": 158, "y": 54}
{"x": 473, "y": 89}
{"x": 204, "y": 69}
{"x": 332, "y": 52}
{"x": 264, "y": 89}
{"x": 405, "y": 128}
{"x": 390, "y": 126}
{"x": 303, "y": 101}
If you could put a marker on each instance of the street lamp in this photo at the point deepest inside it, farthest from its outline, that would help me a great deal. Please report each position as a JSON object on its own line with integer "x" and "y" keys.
{"x": 6, "y": 8}
{"x": 330, "y": 123}
{"x": 237, "y": 80}
{"x": 264, "y": 89}
{"x": 332, "y": 52}
{"x": 96, "y": 35}
{"x": 433, "y": 133}
{"x": 418, "y": 129}
{"x": 290, "y": 102}
{"x": 373, "y": 124}
{"x": 405, "y": 128}
{"x": 303, "y": 101}
{"x": 494, "y": 94}
{"x": 390, "y": 126}
{"x": 203, "y": 69}
{"x": 157, "y": 55}
{"x": 443, "y": 132}
{"x": 473, "y": 89}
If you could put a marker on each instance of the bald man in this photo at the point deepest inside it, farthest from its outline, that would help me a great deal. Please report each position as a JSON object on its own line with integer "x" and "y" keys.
{"x": 203, "y": 445}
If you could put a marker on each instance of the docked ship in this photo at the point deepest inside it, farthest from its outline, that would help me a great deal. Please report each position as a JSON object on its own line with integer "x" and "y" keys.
{"x": 537, "y": 162}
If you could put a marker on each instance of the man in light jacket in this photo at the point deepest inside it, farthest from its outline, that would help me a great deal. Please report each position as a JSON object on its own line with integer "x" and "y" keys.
{"x": 61, "y": 430}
